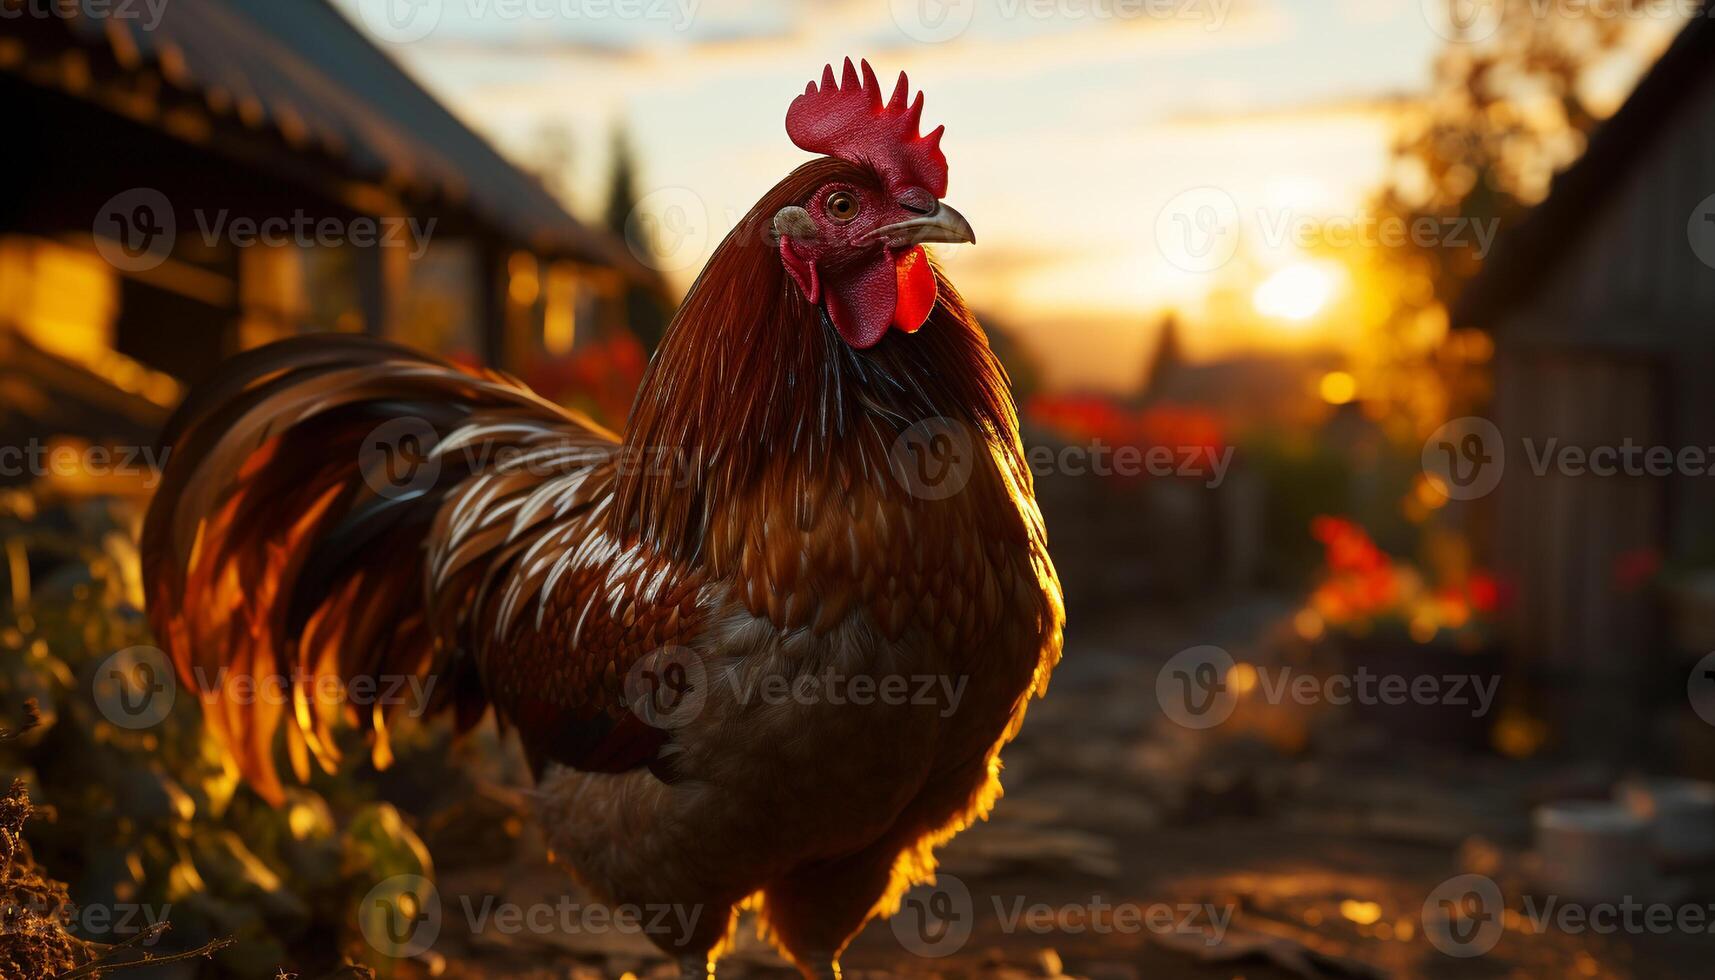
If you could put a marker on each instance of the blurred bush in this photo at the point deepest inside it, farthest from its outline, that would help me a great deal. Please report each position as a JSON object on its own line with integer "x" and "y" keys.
{"x": 155, "y": 818}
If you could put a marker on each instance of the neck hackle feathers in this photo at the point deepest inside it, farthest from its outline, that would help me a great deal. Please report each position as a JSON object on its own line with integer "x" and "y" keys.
{"x": 848, "y": 120}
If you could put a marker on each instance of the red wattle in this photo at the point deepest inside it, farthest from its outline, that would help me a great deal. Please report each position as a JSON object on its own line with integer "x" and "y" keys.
{"x": 916, "y": 282}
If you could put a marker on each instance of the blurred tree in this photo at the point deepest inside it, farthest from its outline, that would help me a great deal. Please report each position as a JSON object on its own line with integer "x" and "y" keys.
{"x": 1169, "y": 356}
{"x": 645, "y": 312}
{"x": 1516, "y": 93}
{"x": 1023, "y": 367}
{"x": 550, "y": 158}
{"x": 150, "y": 814}
{"x": 622, "y": 185}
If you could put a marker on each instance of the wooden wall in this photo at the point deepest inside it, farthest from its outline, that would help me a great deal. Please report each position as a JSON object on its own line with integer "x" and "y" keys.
{"x": 1617, "y": 342}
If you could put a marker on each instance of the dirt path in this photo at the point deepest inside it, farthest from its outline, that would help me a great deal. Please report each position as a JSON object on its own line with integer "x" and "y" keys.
{"x": 1128, "y": 846}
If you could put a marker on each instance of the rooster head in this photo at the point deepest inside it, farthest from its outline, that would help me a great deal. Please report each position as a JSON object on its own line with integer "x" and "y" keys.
{"x": 855, "y": 244}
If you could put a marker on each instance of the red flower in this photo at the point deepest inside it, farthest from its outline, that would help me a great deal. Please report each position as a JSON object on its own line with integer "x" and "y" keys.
{"x": 600, "y": 378}
{"x": 1092, "y": 419}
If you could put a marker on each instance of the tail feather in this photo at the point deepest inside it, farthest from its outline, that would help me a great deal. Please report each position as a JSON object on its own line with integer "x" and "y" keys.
{"x": 287, "y": 583}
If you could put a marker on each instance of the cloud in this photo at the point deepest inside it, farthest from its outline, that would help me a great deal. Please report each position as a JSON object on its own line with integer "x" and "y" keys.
{"x": 1067, "y": 136}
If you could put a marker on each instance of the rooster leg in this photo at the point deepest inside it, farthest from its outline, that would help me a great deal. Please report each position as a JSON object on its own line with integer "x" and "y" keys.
{"x": 817, "y": 909}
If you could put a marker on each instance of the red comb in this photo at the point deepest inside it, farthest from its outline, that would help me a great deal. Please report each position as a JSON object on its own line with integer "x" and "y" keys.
{"x": 848, "y": 121}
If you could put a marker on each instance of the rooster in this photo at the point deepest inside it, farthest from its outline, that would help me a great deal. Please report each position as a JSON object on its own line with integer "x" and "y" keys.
{"x": 762, "y": 519}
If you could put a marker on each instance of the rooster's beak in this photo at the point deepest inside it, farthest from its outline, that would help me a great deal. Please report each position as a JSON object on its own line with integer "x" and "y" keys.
{"x": 940, "y": 225}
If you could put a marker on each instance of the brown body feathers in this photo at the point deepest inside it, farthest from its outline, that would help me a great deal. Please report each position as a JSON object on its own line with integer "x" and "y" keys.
{"x": 752, "y": 514}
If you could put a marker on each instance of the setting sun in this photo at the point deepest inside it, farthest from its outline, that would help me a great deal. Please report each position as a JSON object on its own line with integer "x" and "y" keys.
{"x": 1297, "y": 292}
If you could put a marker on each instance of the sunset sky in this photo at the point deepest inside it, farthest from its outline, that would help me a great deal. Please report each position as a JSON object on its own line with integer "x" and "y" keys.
{"x": 1074, "y": 127}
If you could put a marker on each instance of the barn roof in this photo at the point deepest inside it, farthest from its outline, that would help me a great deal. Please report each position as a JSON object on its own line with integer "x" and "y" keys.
{"x": 302, "y": 71}
{"x": 1523, "y": 256}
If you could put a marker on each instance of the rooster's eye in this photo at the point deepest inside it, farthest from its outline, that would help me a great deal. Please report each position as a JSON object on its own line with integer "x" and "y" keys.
{"x": 842, "y": 206}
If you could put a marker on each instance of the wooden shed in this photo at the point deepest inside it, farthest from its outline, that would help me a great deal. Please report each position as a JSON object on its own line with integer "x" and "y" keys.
{"x": 141, "y": 158}
{"x": 1602, "y": 307}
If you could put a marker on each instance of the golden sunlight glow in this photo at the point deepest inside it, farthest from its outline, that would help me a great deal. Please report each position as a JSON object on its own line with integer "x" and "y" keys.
{"x": 1242, "y": 679}
{"x": 560, "y": 318}
{"x": 1338, "y": 387}
{"x": 1309, "y": 625}
{"x": 1297, "y": 292}
{"x": 1363, "y": 913}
